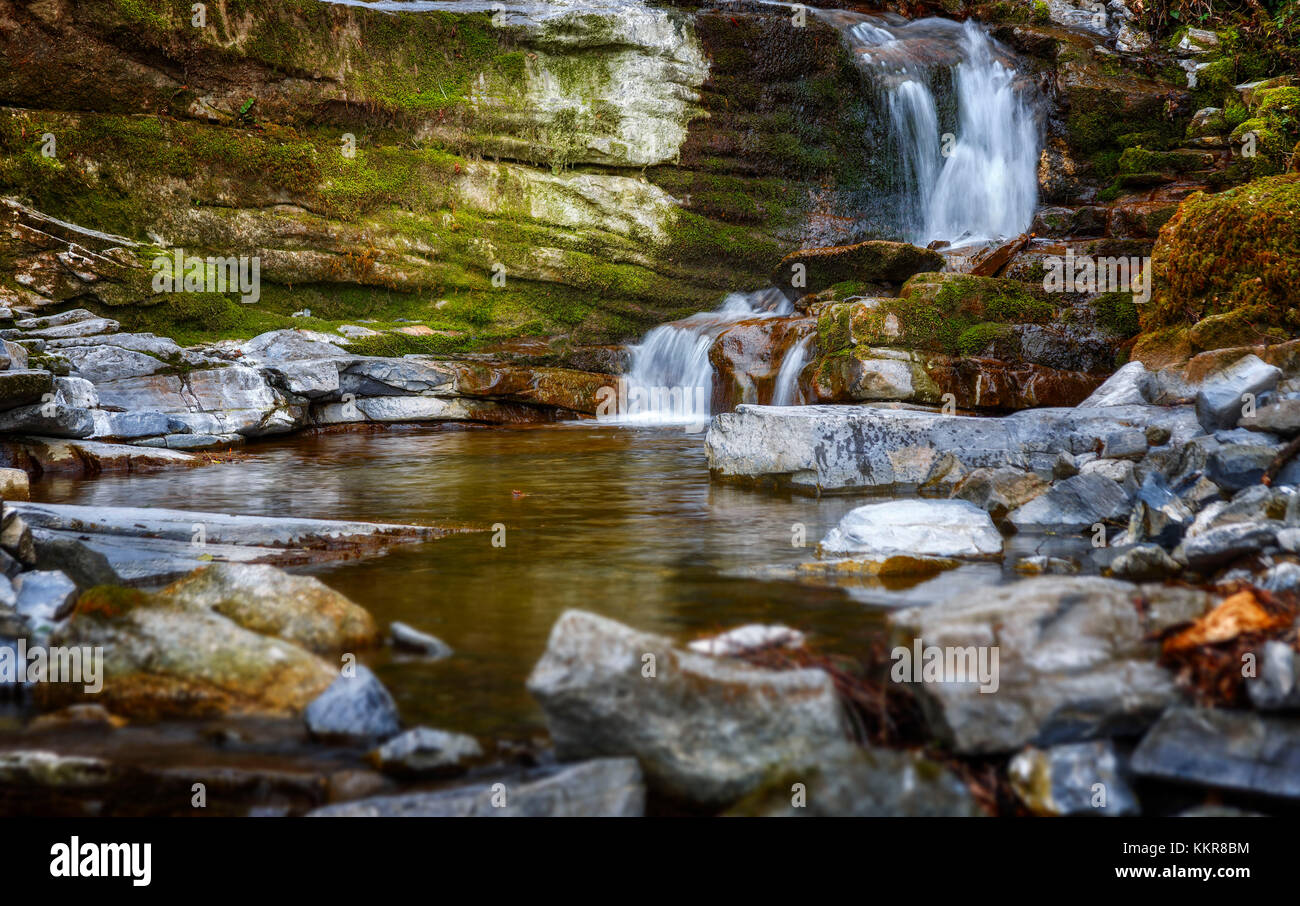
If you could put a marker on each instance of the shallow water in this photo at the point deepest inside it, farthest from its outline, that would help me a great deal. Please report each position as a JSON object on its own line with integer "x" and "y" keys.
{"x": 620, "y": 521}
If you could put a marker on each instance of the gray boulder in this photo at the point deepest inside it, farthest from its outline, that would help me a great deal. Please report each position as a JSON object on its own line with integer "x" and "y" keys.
{"x": 426, "y": 752}
{"x": 705, "y": 729}
{"x": 1074, "y": 660}
{"x": 1082, "y": 778}
{"x": 1220, "y": 400}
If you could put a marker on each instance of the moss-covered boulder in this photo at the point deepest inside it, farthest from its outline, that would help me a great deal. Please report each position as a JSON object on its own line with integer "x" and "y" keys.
{"x": 1228, "y": 272}
{"x": 875, "y": 262}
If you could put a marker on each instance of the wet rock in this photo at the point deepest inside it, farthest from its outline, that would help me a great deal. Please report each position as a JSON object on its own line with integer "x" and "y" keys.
{"x": 748, "y": 639}
{"x": 1082, "y": 778}
{"x": 88, "y": 327}
{"x": 163, "y": 662}
{"x": 999, "y": 491}
{"x": 40, "y": 768}
{"x": 16, "y": 538}
{"x": 19, "y": 387}
{"x": 1143, "y": 562}
{"x": 1078, "y": 502}
{"x": 126, "y": 425}
{"x": 823, "y": 448}
{"x": 355, "y": 706}
{"x": 602, "y": 788}
{"x": 426, "y": 752}
{"x": 1074, "y": 660}
{"x": 408, "y": 639}
{"x": 846, "y": 780}
{"x": 298, "y": 609}
{"x": 1158, "y": 514}
{"x": 942, "y": 528}
{"x": 1221, "y": 397}
{"x": 705, "y": 729}
{"x": 1276, "y": 684}
{"x": 85, "y": 567}
{"x": 874, "y": 262}
{"x": 1127, "y": 444}
{"x": 1236, "y": 466}
{"x": 1219, "y": 748}
{"x": 1284, "y": 576}
{"x": 85, "y": 457}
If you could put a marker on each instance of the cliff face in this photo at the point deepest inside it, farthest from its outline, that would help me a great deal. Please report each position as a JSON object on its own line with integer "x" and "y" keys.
{"x": 615, "y": 164}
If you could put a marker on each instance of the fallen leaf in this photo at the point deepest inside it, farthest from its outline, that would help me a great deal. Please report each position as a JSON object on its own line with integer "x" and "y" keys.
{"x": 1237, "y": 614}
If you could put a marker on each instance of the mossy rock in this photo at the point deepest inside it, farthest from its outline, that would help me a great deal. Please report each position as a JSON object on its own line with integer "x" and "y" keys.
{"x": 1227, "y": 269}
{"x": 875, "y": 262}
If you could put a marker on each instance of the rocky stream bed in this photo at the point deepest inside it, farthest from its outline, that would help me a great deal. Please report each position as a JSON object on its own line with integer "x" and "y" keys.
{"x": 895, "y": 523}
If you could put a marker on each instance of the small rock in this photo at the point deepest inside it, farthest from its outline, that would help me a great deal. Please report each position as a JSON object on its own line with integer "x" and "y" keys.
{"x": 354, "y": 706}
{"x": 1281, "y": 417}
{"x": 406, "y": 638}
{"x": 941, "y": 528}
{"x": 14, "y": 485}
{"x": 44, "y": 596}
{"x": 747, "y": 639}
{"x": 1131, "y": 444}
{"x": 1222, "y": 395}
{"x": 1063, "y": 780}
{"x": 1276, "y": 685}
{"x": 425, "y": 752}
{"x": 1143, "y": 562}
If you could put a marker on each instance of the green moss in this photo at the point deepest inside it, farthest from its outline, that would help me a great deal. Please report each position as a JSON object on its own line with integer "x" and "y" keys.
{"x": 987, "y": 338}
{"x": 1233, "y": 254}
{"x": 1116, "y": 313}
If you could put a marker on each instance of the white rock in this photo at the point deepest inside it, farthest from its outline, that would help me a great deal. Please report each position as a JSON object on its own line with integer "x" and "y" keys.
{"x": 939, "y": 528}
{"x": 745, "y": 639}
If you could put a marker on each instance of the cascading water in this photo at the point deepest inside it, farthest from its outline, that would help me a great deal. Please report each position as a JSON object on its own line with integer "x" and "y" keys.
{"x": 786, "y": 391}
{"x": 964, "y": 139}
{"x": 963, "y": 126}
{"x": 670, "y": 381}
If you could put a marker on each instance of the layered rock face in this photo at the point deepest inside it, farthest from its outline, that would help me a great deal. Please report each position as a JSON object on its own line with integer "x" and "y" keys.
{"x": 588, "y": 168}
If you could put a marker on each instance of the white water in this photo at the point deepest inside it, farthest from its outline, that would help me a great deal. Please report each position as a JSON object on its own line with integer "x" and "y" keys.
{"x": 670, "y": 381}
{"x": 786, "y": 390}
{"x": 979, "y": 185}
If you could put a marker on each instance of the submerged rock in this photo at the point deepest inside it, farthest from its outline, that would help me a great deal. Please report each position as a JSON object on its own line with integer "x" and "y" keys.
{"x": 408, "y": 639}
{"x": 939, "y": 528}
{"x": 603, "y": 788}
{"x": 705, "y": 729}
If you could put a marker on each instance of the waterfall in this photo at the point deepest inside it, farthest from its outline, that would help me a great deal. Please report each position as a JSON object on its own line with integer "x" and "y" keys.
{"x": 963, "y": 127}
{"x": 670, "y": 381}
{"x": 962, "y": 136}
{"x": 786, "y": 391}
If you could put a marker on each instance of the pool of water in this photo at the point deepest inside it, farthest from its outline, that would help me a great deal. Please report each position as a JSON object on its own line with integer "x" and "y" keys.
{"x": 620, "y": 521}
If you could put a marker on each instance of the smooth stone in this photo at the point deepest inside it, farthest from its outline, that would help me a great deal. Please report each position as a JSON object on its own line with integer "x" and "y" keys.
{"x": 1281, "y": 417}
{"x": 1220, "y": 400}
{"x": 84, "y": 566}
{"x": 409, "y": 639}
{"x": 424, "y": 751}
{"x": 748, "y": 639}
{"x": 110, "y": 363}
{"x": 999, "y": 491}
{"x": 355, "y": 706}
{"x": 940, "y": 528}
{"x": 1144, "y": 562}
{"x": 1131, "y": 385}
{"x": 44, "y": 596}
{"x": 1276, "y": 684}
{"x": 1075, "y": 503}
{"x": 1217, "y": 546}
